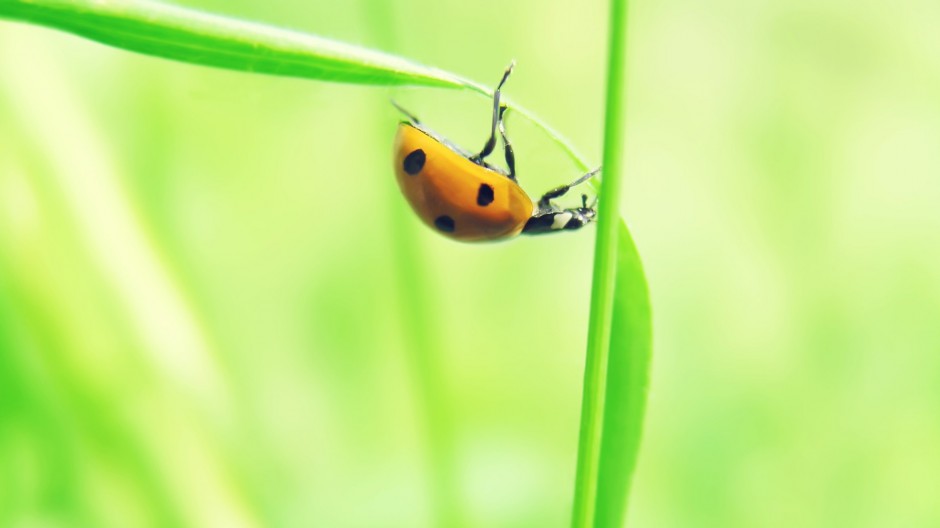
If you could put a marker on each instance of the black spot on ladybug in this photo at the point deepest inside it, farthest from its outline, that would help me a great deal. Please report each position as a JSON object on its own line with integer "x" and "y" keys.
{"x": 444, "y": 223}
{"x": 484, "y": 195}
{"x": 414, "y": 162}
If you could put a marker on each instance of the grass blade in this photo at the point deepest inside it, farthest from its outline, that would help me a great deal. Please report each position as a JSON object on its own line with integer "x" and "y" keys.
{"x": 618, "y": 351}
{"x": 196, "y": 37}
{"x": 192, "y": 36}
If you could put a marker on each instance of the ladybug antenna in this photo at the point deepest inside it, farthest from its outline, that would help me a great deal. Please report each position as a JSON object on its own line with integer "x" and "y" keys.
{"x": 411, "y": 117}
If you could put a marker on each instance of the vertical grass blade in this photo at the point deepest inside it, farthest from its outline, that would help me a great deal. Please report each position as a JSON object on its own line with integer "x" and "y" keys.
{"x": 618, "y": 336}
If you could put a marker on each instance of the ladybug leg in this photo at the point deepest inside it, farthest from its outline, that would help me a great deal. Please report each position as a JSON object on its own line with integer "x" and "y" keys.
{"x": 491, "y": 142}
{"x": 507, "y": 146}
{"x": 544, "y": 202}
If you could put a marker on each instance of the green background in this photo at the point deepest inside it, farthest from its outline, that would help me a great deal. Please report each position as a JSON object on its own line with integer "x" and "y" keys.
{"x": 217, "y": 310}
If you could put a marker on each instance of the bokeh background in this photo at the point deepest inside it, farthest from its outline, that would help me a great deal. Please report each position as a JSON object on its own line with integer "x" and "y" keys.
{"x": 217, "y": 310}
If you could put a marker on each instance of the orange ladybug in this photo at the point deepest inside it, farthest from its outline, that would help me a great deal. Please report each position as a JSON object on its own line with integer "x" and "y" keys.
{"x": 463, "y": 197}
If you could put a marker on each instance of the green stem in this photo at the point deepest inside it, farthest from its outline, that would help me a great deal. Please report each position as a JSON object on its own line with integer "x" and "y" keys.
{"x": 605, "y": 274}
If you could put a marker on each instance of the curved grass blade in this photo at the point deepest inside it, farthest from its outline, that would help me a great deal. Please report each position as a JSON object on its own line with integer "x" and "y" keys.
{"x": 197, "y": 37}
{"x": 192, "y": 36}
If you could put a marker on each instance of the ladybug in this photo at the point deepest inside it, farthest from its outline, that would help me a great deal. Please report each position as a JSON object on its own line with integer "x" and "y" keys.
{"x": 463, "y": 197}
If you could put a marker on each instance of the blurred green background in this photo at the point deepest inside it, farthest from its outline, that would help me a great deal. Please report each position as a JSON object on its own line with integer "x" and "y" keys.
{"x": 217, "y": 310}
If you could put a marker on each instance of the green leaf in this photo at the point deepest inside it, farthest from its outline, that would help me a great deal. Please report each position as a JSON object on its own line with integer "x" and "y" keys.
{"x": 627, "y": 384}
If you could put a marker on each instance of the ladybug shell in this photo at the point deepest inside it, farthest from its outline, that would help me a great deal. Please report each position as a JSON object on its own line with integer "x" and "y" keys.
{"x": 453, "y": 195}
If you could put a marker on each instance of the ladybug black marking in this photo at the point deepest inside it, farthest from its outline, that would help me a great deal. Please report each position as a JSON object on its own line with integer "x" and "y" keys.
{"x": 484, "y": 195}
{"x": 414, "y": 162}
{"x": 445, "y": 223}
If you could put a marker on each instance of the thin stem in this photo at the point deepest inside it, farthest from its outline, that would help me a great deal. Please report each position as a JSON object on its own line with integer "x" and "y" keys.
{"x": 605, "y": 269}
